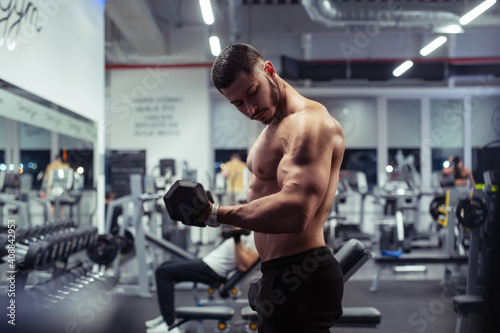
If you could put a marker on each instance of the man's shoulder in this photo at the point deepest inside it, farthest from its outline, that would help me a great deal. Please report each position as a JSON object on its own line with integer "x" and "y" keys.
{"x": 312, "y": 120}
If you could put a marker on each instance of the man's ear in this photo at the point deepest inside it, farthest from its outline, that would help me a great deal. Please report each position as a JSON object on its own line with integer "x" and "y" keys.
{"x": 269, "y": 68}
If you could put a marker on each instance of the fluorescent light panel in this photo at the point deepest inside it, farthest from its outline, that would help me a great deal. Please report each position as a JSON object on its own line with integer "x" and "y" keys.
{"x": 402, "y": 68}
{"x": 206, "y": 12}
{"x": 467, "y": 18}
{"x": 214, "y": 45}
{"x": 426, "y": 50}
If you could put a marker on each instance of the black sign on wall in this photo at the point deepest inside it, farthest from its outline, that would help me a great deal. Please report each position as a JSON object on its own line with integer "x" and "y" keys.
{"x": 122, "y": 164}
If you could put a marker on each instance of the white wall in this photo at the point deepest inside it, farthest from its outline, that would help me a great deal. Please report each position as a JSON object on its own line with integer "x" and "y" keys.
{"x": 64, "y": 61}
{"x": 58, "y": 55}
{"x": 230, "y": 127}
{"x": 165, "y": 112}
{"x": 485, "y": 120}
{"x": 358, "y": 118}
{"x": 403, "y": 123}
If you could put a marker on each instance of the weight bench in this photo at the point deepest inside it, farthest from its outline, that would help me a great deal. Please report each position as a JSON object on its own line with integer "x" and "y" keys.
{"x": 230, "y": 288}
{"x": 213, "y": 310}
{"x": 465, "y": 304}
{"x": 199, "y": 313}
{"x": 351, "y": 256}
{"x": 382, "y": 262}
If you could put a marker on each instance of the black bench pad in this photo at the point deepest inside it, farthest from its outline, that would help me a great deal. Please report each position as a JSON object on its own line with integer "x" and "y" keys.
{"x": 469, "y": 303}
{"x": 204, "y": 312}
{"x": 356, "y": 316}
{"x": 420, "y": 259}
{"x": 359, "y": 316}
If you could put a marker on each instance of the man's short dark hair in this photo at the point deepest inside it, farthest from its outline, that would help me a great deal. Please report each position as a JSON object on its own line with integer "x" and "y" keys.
{"x": 233, "y": 59}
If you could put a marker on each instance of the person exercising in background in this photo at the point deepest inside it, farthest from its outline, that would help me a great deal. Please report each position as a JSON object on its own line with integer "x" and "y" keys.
{"x": 233, "y": 171}
{"x": 57, "y": 163}
{"x": 295, "y": 165}
{"x": 236, "y": 252}
{"x": 462, "y": 174}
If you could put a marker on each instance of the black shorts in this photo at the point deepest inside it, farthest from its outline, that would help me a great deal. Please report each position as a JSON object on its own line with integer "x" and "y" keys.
{"x": 298, "y": 293}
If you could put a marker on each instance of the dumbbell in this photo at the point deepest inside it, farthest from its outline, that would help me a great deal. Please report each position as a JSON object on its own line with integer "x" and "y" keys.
{"x": 126, "y": 243}
{"x": 186, "y": 201}
{"x": 104, "y": 250}
{"x": 26, "y": 255}
{"x": 228, "y": 232}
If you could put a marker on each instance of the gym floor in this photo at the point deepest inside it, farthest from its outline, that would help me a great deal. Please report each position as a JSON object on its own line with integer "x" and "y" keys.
{"x": 410, "y": 302}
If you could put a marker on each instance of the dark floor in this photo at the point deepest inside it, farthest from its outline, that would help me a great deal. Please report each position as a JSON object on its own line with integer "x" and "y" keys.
{"x": 406, "y": 307}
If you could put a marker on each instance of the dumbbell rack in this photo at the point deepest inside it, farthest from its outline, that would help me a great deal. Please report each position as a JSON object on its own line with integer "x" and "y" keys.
{"x": 46, "y": 248}
{"x": 43, "y": 248}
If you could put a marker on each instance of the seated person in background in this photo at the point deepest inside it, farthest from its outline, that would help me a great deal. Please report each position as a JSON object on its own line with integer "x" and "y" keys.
{"x": 462, "y": 173}
{"x": 236, "y": 252}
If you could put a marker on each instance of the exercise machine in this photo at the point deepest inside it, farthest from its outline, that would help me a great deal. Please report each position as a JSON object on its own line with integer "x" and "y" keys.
{"x": 456, "y": 248}
{"x": 140, "y": 220}
{"x": 65, "y": 188}
{"x": 16, "y": 196}
{"x": 352, "y": 187}
{"x": 399, "y": 229}
{"x": 477, "y": 212}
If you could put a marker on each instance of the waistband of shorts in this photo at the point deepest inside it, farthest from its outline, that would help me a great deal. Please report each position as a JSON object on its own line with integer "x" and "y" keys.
{"x": 286, "y": 261}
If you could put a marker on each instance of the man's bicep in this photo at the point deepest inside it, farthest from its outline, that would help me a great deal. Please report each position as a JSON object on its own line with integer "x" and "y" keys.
{"x": 306, "y": 178}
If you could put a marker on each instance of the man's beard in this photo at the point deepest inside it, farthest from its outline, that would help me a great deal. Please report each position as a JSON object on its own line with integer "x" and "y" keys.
{"x": 275, "y": 96}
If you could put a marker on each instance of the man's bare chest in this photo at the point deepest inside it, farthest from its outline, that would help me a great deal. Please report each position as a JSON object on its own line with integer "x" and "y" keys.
{"x": 265, "y": 157}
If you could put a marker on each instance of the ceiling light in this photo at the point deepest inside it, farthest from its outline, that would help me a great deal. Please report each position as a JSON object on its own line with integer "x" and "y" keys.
{"x": 206, "y": 11}
{"x": 402, "y": 68}
{"x": 467, "y": 18}
{"x": 426, "y": 50}
{"x": 448, "y": 29}
{"x": 214, "y": 45}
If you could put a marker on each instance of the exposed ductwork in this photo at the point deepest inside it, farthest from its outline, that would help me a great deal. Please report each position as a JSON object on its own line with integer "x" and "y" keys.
{"x": 234, "y": 20}
{"x": 392, "y": 15}
{"x": 137, "y": 24}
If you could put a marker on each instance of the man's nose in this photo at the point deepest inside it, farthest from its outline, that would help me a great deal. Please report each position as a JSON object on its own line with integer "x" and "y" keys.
{"x": 250, "y": 108}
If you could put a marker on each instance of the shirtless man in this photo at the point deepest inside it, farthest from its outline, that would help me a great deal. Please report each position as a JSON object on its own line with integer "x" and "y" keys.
{"x": 295, "y": 166}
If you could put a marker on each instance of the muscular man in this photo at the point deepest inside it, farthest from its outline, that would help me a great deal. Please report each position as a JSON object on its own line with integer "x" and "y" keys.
{"x": 295, "y": 166}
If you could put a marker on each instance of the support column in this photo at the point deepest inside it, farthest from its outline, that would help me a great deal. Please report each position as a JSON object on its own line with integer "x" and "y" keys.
{"x": 382, "y": 137}
{"x": 425, "y": 145}
{"x": 54, "y": 145}
{"x": 467, "y": 132}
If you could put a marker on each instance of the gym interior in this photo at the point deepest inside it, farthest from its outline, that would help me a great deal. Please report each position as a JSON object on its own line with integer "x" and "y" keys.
{"x": 106, "y": 105}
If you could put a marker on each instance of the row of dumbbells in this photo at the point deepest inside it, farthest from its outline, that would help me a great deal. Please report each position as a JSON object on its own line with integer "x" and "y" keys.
{"x": 69, "y": 288}
{"x": 40, "y": 247}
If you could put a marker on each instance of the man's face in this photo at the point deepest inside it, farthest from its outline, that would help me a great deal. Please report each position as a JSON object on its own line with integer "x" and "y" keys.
{"x": 254, "y": 95}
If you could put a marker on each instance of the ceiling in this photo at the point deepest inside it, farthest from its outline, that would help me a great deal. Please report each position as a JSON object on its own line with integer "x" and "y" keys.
{"x": 172, "y": 31}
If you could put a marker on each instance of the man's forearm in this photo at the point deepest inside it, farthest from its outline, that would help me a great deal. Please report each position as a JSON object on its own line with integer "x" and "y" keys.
{"x": 272, "y": 214}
